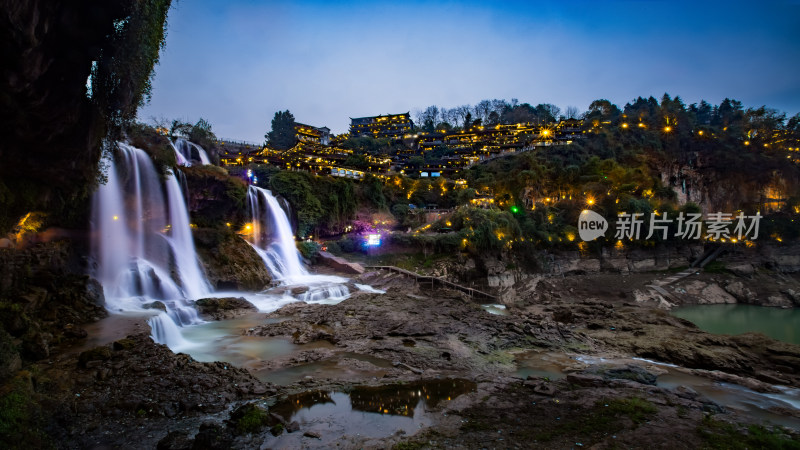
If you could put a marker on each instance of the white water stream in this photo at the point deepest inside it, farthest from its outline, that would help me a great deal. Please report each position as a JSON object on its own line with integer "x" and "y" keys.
{"x": 144, "y": 251}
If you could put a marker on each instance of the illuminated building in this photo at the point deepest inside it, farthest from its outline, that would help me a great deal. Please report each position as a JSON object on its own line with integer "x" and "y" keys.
{"x": 391, "y": 126}
{"x": 316, "y": 135}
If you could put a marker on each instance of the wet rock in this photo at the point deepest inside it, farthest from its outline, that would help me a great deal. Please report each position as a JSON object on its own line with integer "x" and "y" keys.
{"x": 585, "y": 380}
{"x": 793, "y": 295}
{"x": 95, "y": 354}
{"x": 542, "y": 388}
{"x": 740, "y": 292}
{"x": 299, "y": 290}
{"x": 401, "y": 365}
{"x": 629, "y": 372}
{"x": 176, "y": 440}
{"x": 686, "y": 392}
{"x": 312, "y": 434}
{"x": 72, "y": 331}
{"x": 224, "y": 308}
{"x": 563, "y": 315}
{"x": 250, "y": 418}
{"x": 293, "y": 427}
{"x": 213, "y": 437}
{"x": 155, "y": 305}
{"x": 124, "y": 344}
{"x": 742, "y": 270}
{"x": 229, "y": 261}
{"x": 36, "y": 344}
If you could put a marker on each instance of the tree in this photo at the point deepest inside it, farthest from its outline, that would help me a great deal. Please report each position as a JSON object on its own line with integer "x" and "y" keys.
{"x": 282, "y": 136}
{"x": 548, "y": 112}
{"x": 572, "y": 112}
{"x": 429, "y": 118}
{"x": 482, "y": 110}
{"x": 201, "y": 134}
{"x": 459, "y": 114}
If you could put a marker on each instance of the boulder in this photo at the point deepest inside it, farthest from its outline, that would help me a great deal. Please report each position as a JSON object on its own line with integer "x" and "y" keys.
{"x": 229, "y": 261}
{"x": 225, "y": 307}
{"x": 742, "y": 269}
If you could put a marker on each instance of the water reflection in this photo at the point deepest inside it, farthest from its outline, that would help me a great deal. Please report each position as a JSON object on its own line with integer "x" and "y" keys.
{"x": 396, "y": 399}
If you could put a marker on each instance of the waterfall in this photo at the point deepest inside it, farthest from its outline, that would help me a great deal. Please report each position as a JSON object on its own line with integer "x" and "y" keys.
{"x": 280, "y": 253}
{"x": 272, "y": 238}
{"x": 140, "y": 239}
{"x": 186, "y": 152}
{"x": 191, "y": 275}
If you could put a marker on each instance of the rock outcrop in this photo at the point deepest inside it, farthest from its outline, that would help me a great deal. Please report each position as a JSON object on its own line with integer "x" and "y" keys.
{"x": 230, "y": 263}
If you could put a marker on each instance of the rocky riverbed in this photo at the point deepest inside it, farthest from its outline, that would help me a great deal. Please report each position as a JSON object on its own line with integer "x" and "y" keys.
{"x": 396, "y": 348}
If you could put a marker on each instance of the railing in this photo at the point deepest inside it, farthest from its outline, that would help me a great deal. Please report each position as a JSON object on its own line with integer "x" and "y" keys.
{"x": 422, "y": 279}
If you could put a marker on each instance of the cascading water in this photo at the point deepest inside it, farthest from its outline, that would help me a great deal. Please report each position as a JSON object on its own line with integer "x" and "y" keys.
{"x": 180, "y": 237}
{"x": 138, "y": 237}
{"x": 280, "y": 255}
{"x": 186, "y": 152}
{"x": 272, "y": 237}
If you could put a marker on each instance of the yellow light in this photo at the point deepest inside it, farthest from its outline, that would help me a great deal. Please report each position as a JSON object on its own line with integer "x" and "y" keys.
{"x": 116, "y": 217}
{"x": 667, "y": 129}
{"x": 590, "y": 201}
{"x": 746, "y": 142}
{"x": 624, "y": 125}
{"x": 700, "y": 132}
{"x": 227, "y": 224}
{"x": 248, "y": 227}
{"x": 641, "y": 125}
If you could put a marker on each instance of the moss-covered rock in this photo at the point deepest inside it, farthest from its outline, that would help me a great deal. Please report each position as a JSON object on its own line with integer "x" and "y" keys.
{"x": 250, "y": 418}
{"x": 95, "y": 354}
{"x": 124, "y": 344}
{"x": 229, "y": 261}
{"x": 10, "y": 361}
{"x": 215, "y": 198}
{"x": 224, "y": 308}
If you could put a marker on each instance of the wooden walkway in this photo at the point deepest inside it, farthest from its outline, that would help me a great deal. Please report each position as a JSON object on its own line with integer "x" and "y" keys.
{"x": 423, "y": 280}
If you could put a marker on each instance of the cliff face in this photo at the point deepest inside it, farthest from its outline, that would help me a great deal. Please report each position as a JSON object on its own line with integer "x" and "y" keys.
{"x": 728, "y": 189}
{"x": 51, "y": 129}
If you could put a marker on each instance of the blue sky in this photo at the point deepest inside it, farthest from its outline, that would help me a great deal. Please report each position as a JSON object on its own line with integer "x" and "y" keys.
{"x": 235, "y": 63}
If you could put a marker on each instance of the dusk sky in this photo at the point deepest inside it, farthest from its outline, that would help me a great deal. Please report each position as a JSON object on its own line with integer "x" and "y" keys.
{"x": 237, "y": 62}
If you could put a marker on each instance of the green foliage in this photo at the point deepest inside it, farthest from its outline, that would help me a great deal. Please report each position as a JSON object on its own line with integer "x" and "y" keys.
{"x": 486, "y": 229}
{"x": 214, "y": 197}
{"x": 20, "y": 415}
{"x": 296, "y": 188}
{"x": 368, "y": 145}
{"x": 721, "y": 435}
{"x": 602, "y": 419}
{"x": 201, "y": 134}
{"x": 154, "y": 144}
{"x": 371, "y": 192}
{"x": 338, "y": 201}
{"x": 282, "y": 135}
{"x": 309, "y": 249}
{"x": 252, "y": 420}
{"x": 116, "y": 44}
{"x": 121, "y": 78}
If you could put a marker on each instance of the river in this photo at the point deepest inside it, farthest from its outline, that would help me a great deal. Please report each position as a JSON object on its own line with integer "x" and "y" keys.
{"x": 777, "y": 323}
